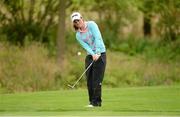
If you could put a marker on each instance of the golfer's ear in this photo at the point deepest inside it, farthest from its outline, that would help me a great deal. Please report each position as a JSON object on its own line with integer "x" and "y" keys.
{"x": 82, "y": 19}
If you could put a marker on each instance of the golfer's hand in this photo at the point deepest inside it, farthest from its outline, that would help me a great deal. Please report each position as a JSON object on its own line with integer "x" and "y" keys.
{"x": 95, "y": 57}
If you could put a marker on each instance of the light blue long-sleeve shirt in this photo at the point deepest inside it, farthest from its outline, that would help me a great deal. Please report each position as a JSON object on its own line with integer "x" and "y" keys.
{"x": 91, "y": 40}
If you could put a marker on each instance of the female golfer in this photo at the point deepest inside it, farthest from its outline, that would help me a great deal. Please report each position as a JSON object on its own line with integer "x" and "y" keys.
{"x": 89, "y": 37}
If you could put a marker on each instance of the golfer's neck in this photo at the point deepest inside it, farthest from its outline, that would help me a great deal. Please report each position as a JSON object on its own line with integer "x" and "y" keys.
{"x": 83, "y": 27}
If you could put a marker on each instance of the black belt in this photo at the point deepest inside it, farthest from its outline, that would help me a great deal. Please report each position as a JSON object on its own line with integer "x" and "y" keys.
{"x": 103, "y": 53}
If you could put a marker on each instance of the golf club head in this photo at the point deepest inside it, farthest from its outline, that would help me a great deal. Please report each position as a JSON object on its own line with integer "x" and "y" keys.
{"x": 70, "y": 86}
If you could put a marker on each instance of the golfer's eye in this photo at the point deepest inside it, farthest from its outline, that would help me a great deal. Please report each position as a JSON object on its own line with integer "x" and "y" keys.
{"x": 76, "y": 21}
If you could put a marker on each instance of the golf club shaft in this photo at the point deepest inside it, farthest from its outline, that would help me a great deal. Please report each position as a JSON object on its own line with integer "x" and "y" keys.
{"x": 82, "y": 74}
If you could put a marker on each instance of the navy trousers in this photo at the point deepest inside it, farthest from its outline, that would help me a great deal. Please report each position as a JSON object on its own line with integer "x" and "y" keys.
{"x": 95, "y": 76}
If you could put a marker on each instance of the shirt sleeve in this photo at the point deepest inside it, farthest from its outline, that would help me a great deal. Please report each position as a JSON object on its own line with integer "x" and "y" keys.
{"x": 97, "y": 35}
{"x": 84, "y": 45}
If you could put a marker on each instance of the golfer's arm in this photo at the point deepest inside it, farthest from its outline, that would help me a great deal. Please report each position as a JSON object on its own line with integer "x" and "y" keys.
{"x": 97, "y": 35}
{"x": 85, "y": 46}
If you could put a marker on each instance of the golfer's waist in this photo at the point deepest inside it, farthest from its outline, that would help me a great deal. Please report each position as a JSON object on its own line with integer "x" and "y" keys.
{"x": 102, "y": 53}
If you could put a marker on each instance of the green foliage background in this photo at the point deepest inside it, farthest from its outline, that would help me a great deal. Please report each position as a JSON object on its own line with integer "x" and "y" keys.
{"x": 28, "y": 49}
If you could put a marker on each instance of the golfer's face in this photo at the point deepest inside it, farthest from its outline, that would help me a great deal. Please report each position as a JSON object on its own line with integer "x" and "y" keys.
{"x": 78, "y": 23}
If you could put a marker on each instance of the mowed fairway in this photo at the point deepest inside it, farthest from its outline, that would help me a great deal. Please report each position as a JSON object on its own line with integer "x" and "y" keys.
{"x": 159, "y": 100}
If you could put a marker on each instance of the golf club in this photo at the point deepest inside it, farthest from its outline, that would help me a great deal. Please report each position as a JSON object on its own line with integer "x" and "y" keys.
{"x": 72, "y": 86}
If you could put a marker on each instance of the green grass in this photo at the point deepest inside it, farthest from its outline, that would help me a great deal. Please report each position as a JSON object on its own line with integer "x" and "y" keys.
{"x": 159, "y": 100}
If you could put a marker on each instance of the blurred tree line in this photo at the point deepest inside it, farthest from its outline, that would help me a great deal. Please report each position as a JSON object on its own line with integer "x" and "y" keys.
{"x": 45, "y": 20}
{"x": 126, "y": 26}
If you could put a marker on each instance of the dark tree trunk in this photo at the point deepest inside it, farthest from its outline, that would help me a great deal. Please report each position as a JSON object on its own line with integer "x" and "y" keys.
{"x": 147, "y": 26}
{"x": 61, "y": 34}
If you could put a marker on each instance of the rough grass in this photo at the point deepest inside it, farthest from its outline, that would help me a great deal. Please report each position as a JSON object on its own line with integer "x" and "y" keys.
{"x": 31, "y": 68}
{"x": 123, "y": 70}
{"x": 159, "y": 101}
{"x": 26, "y": 68}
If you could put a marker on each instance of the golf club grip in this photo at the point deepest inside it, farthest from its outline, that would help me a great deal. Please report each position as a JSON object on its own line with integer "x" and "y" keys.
{"x": 83, "y": 73}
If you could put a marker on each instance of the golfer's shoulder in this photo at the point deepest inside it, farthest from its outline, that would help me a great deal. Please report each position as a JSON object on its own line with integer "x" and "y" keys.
{"x": 77, "y": 35}
{"x": 91, "y": 23}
